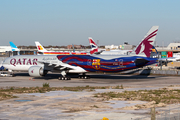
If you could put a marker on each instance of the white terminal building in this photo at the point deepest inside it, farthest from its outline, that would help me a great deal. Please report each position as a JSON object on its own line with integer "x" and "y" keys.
{"x": 122, "y": 47}
{"x": 111, "y": 46}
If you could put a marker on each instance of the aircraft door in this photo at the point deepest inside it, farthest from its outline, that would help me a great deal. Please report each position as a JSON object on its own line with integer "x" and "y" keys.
{"x": 120, "y": 62}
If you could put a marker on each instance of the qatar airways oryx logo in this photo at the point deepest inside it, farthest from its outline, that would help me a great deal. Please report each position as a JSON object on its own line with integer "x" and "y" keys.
{"x": 23, "y": 61}
{"x": 146, "y": 45}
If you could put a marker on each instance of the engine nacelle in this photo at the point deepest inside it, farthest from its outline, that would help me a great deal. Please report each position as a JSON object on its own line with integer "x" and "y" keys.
{"x": 37, "y": 71}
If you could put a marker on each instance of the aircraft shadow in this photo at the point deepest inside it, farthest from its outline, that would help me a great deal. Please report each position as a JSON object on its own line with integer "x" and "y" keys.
{"x": 49, "y": 76}
{"x": 122, "y": 77}
{"x": 134, "y": 75}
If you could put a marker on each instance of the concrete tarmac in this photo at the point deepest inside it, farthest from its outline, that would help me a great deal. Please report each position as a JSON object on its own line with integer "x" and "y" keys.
{"x": 24, "y": 80}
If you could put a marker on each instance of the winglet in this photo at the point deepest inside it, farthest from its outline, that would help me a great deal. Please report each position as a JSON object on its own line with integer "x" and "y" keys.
{"x": 147, "y": 43}
{"x": 40, "y": 47}
{"x": 94, "y": 47}
{"x": 13, "y": 47}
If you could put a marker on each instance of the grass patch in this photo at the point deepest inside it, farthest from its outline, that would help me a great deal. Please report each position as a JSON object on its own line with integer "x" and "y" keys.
{"x": 159, "y": 96}
{"x": 119, "y": 87}
{"x": 46, "y": 85}
{"x": 7, "y": 92}
{"x": 95, "y": 106}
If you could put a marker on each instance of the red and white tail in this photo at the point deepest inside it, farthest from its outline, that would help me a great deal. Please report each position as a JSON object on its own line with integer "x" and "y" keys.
{"x": 147, "y": 43}
{"x": 94, "y": 47}
{"x": 40, "y": 47}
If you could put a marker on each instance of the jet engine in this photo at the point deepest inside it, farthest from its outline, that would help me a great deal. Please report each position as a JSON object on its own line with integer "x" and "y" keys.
{"x": 37, "y": 71}
{"x": 140, "y": 62}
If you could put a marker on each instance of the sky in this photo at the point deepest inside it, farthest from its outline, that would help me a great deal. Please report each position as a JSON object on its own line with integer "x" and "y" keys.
{"x": 66, "y": 22}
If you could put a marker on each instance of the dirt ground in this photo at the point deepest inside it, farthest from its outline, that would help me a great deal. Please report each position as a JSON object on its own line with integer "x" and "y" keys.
{"x": 68, "y": 105}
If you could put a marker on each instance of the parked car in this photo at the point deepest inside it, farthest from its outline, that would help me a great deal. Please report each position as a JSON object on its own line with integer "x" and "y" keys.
{"x": 5, "y": 74}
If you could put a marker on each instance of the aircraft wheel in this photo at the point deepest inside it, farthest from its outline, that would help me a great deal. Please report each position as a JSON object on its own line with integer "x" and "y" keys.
{"x": 65, "y": 78}
{"x": 68, "y": 78}
{"x": 86, "y": 77}
{"x": 80, "y": 76}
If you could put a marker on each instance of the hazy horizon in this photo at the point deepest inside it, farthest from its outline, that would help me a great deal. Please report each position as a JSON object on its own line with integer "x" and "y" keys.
{"x": 66, "y": 22}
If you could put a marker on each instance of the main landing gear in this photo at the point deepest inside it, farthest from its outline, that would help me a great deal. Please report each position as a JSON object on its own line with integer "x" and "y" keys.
{"x": 64, "y": 78}
{"x": 84, "y": 76}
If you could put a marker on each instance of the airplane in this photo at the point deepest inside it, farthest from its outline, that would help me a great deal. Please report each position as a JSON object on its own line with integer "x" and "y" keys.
{"x": 95, "y": 49}
{"x": 39, "y": 65}
{"x": 43, "y": 51}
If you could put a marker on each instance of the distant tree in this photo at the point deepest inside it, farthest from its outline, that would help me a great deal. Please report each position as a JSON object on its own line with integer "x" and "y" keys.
{"x": 88, "y": 47}
{"x": 50, "y": 46}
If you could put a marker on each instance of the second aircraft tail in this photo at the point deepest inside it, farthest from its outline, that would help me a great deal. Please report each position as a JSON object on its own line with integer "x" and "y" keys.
{"x": 94, "y": 47}
{"x": 13, "y": 47}
{"x": 40, "y": 47}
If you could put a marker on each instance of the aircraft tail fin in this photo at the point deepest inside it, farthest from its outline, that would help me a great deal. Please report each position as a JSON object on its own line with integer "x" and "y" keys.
{"x": 94, "y": 47}
{"x": 40, "y": 47}
{"x": 147, "y": 43}
{"x": 13, "y": 47}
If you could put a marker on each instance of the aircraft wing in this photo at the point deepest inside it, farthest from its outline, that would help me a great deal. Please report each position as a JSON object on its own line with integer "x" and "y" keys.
{"x": 57, "y": 66}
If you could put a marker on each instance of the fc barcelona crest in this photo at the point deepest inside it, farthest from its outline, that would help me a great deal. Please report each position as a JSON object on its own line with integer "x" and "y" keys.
{"x": 96, "y": 63}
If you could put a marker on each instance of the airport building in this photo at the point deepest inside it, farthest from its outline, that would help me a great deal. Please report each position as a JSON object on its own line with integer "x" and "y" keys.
{"x": 169, "y": 51}
{"x": 174, "y": 46}
{"x": 111, "y": 47}
{"x": 125, "y": 46}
